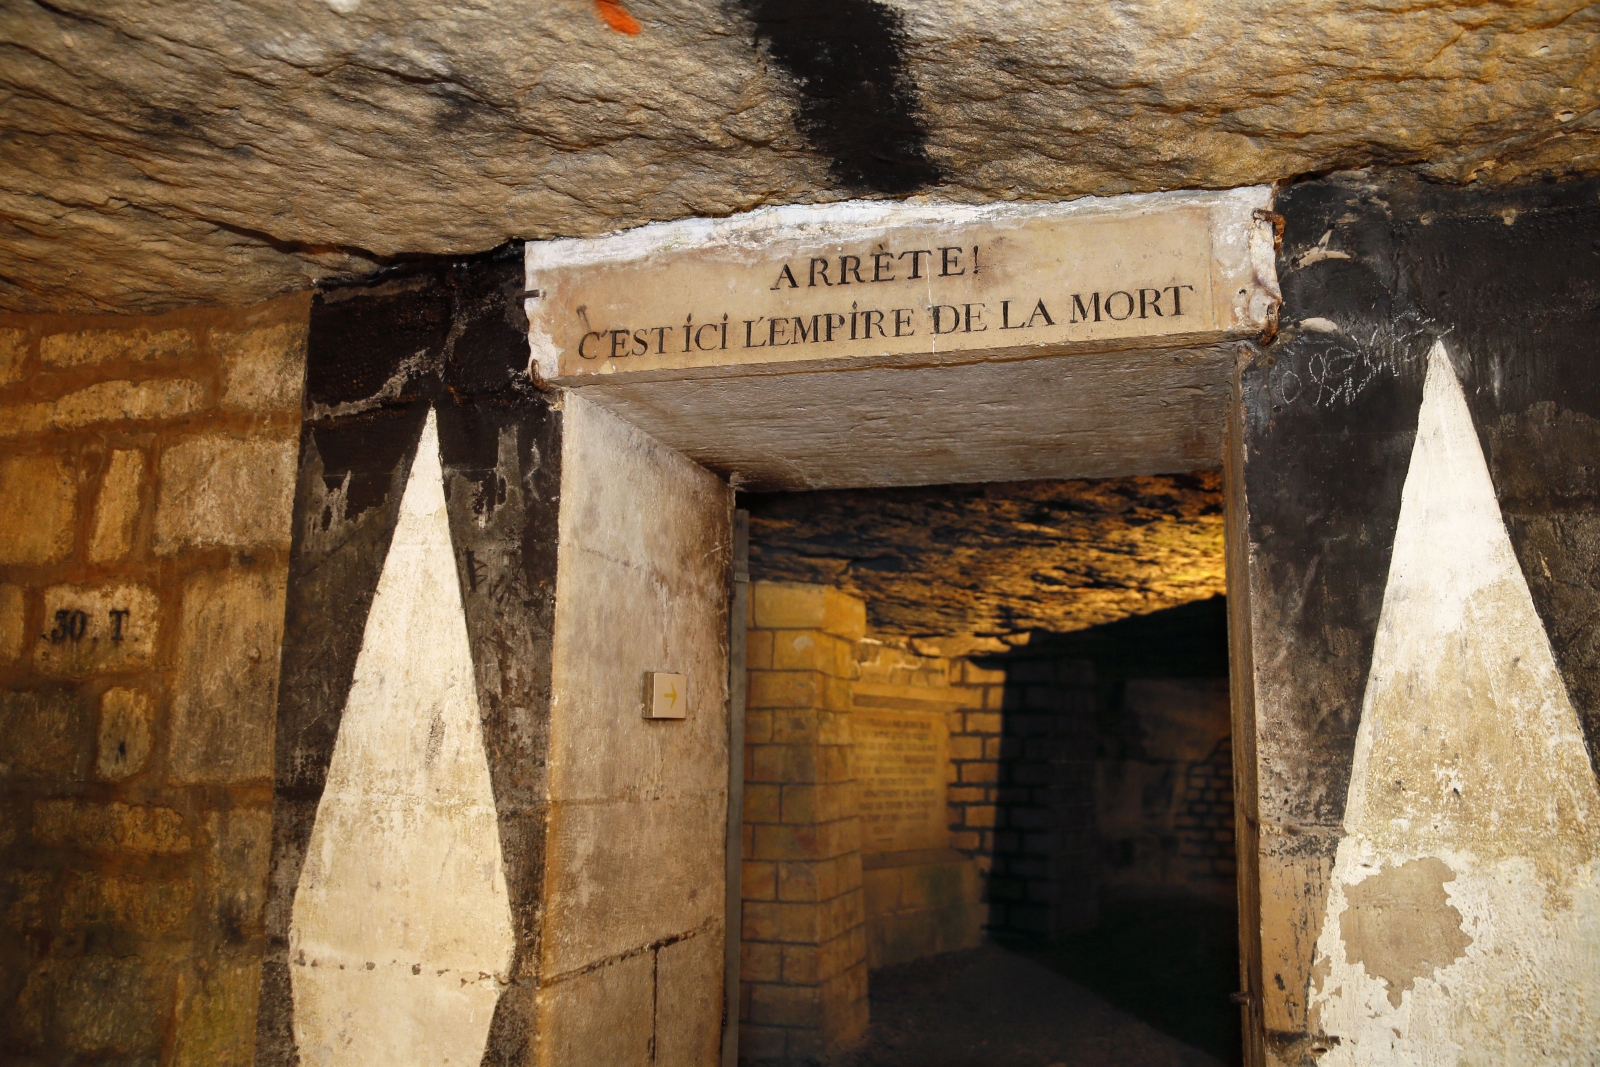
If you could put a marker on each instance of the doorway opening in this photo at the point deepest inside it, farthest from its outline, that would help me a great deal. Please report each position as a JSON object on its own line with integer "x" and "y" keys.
{"x": 1040, "y": 669}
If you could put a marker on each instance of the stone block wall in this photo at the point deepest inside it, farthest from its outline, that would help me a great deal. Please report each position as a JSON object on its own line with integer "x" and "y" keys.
{"x": 1044, "y": 853}
{"x": 1165, "y": 799}
{"x": 924, "y": 897}
{"x": 147, "y": 470}
{"x": 803, "y": 975}
{"x": 976, "y": 747}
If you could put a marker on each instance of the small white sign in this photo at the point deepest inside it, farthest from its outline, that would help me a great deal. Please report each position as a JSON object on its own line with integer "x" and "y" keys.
{"x": 668, "y": 697}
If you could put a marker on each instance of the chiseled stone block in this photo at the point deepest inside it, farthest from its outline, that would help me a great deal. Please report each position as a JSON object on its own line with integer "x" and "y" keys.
{"x": 265, "y": 366}
{"x": 94, "y": 1004}
{"x": 236, "y": 872}
{"x": 798, "y": 606}
{"x": 573, "y": 1031}
{"x": 116, "y": 512}
{"x": 225, "y": 682}
{"x": 43, "y": 488}
{"x": 101, "y": 346}
{"x": 217, "y": 1012}
{"x": 124, "y": 742}
{"x": 13, "y": 354}
{"x": 13, "y": 610}
{"x": 688, "y": 1001}
{"x": 114, "y": 827}
{"x": 219, "y": 490}
{"x": 41, "y": 734}
{"x": 117, "y": 401}
{"x": 96, "y": 629}
{"x": 144, "y": 908}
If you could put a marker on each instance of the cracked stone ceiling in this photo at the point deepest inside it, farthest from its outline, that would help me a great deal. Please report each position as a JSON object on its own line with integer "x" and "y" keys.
{"x": 999, "y": 560}
{"x": 160, "y": 152}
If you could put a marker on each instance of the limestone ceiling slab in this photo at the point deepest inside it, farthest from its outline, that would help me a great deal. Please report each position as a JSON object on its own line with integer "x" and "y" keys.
{"x": 154, "y": 154}
{"x": 1090, "y": 416}
{"x": 999, "y": 559}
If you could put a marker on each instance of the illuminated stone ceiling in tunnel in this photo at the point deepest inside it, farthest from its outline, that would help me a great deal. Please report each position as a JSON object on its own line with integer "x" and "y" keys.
{"x": 999, "y": 559}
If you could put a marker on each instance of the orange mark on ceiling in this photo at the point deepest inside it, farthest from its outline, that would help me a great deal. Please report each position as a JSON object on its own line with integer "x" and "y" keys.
{"x": 616, "y": 16}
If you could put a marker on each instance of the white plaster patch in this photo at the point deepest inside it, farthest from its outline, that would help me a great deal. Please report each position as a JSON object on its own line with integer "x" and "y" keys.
{"x": 401, "y": 931}
{"x": 1469, "y": 752}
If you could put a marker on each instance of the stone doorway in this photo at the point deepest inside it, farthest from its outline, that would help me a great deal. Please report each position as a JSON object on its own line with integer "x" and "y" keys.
{"x": 1055, "y": 788}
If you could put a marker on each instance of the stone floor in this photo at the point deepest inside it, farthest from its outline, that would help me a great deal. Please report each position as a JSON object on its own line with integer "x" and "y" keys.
{"x": 995, "y": 1007}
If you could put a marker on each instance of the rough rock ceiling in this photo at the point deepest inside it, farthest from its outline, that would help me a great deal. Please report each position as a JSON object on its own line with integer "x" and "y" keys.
{"x": 999, "y": 559}
{"x": 161, "y": 152}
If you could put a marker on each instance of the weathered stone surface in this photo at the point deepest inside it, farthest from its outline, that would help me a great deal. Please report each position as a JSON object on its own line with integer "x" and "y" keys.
{"x": 217, "y": 1012}
{"x": 93, "y": 629}
{"x": 236, "y": 890}
{"x": 105, "y": 402}
{"x": 217, "y": 490}
{"x": 124, "y": 743}
{"x": 109, "y": 827}
{"x": 116, "y": 513}
{"x": 41, "y": 734}
{"x": 226, "y": 687}
{"x": 999, "y": 559}
{"x": 100, "y": 346}
{"x": 265, "y": 367}
{"x": 43, "y": 488}
{"x": 158, "y": 154}
{"x": 93, "y": 1004}
{"x": 144, "y": 907}
{"x": 13, "y": 605}
{"x": 13, "y": 351}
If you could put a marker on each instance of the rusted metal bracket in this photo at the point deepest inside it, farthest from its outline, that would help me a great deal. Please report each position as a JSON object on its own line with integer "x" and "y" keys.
{"x": 1276, "y": 220}
{"x": 1270, "y": 331}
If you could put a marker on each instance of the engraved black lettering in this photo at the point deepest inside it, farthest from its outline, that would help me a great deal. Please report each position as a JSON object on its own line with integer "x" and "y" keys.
{"x": 868, "y": 321}
{"x": 1040, "y": 312}
{"x": 801, "y": 333}
{"x": 880, "y": 260}
{"x": 937, "y": 311}
{"x": 619, "y": 343}
{"x": 71, "y": 625}
{"x": 850, "y": 265}
{"x": 749, "y": 325}
{"x": 1126, "y": 296}
{"x": 902, "y": 319}
{"x": 948, "y": 262}
{"x": 641, "y": 346}
{"x": 970, "y": 316}
{"x": 916, "y": 255}
{"x": 1078, "y": 308}
{"x": 831, "y": 322}
{"x": 772, "y": 332}
{"x": 581, "y": 352}
{"x": 785, "y": 275}
{"x": 700, "y": 333}
{"x": 118, "y": 617}
{"x": 1152, "y": 303}
{"x": 661, "y": 338}
{"x": 815, "y": 265}
{"x": 1177, "y": 299}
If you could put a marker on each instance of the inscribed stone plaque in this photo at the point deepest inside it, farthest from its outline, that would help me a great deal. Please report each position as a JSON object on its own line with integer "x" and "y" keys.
{"x": 900, "y": 760}
{"x": 875, "y": 283}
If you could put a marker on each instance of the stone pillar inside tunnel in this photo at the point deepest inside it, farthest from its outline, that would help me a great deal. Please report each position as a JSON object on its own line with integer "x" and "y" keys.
{"x": 484, "y": 846}
{"x": 803, "y": 971}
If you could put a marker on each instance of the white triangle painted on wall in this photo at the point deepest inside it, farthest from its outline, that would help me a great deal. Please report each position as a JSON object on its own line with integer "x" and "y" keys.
{"x": 1463, "y": 914}
{"x": 401, "y": 929}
